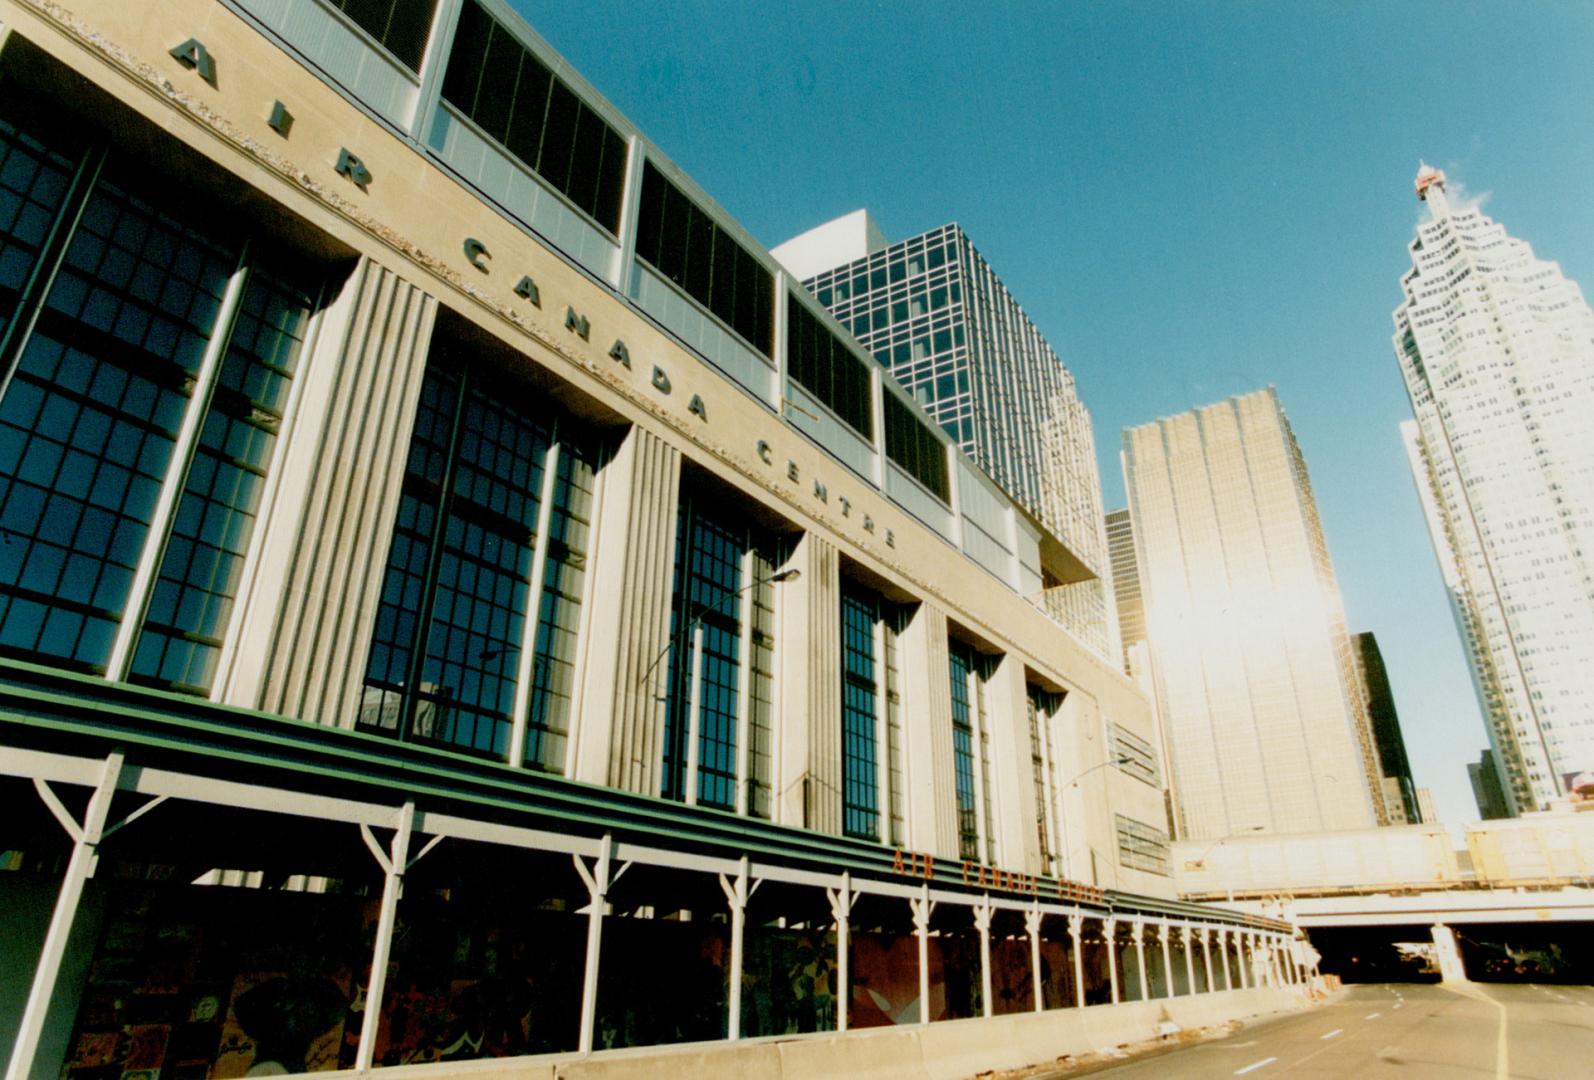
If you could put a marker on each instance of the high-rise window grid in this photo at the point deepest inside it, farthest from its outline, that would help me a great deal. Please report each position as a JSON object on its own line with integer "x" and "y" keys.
{"x": 512, "y": 96}
{"x": 689, "y": 247}
{"x": 451, "y": 663}
{"x": 138, "y": 421}
{"x": 399, "y": 26}
{"x": 720, "y": 664}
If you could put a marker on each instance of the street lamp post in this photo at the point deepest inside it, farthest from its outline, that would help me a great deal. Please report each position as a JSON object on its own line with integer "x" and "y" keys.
{"x": 1122, "y": 759}
{"x": 694, "y": 626}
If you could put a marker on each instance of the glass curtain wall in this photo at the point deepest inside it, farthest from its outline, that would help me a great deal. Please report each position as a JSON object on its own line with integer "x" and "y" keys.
{"x": 720, "y": 668}
{"x": 147, "y": 364}
{"x": 476, "y": 633}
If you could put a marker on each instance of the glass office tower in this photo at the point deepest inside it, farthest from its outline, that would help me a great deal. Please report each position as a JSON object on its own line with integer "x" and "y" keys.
{"x": 937, "y": 317}
{"x": 1497, "y": 350}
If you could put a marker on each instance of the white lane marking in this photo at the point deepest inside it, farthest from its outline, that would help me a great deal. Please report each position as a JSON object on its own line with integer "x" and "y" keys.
{"x": 1372, "y": 1016}
{"x": 1331, "y": 1034}
{"x": 1398, "y": 1004}
{"x": 1255, "y": 1066}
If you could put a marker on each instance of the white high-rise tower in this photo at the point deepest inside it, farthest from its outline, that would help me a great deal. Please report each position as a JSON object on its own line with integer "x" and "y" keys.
{"x": 1497, "y": 348}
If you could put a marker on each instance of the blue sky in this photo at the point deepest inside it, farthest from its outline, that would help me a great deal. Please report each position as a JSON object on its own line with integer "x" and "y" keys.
{"x": 1190, "y": 200}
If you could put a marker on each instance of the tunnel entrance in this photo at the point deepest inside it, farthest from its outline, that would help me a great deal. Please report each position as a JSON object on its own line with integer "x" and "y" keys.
{"x": 1522, "y": 952}
{"x": 1377, "y": 954}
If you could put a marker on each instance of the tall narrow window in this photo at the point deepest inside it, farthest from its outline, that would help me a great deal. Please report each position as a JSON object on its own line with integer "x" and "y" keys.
{"x": 1041, "y": 706}
{"x": 963, "y": 674}
{"x": 971, "y": 755}
{"x": 720, "y": 662}
{"x": 861, "y": 691}
{"x": 161, "y": 353}
{"x": 451, "y": 663}
{"x": 400, "y": 26}
{"x": 895, "y": 773}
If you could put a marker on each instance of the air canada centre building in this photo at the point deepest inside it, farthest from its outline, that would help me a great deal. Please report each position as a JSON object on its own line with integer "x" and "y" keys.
{"x": 458, "y": 599}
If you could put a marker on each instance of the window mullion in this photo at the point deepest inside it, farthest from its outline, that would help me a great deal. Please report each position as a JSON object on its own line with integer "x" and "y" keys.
{"x": 975, "y": 763}
{"x": 694, "y": 719}
{"x": 525, "y": 685}
{"x": 183, "y": 448}
{"x": 48, "y": 265}
{"x": 744, "y": 683}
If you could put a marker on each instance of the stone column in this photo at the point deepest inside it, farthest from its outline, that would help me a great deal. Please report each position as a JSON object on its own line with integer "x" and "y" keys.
{"x": 808, "y": 655}
{"x": 931, "y": 796}
{"x": 1223, "y": 951}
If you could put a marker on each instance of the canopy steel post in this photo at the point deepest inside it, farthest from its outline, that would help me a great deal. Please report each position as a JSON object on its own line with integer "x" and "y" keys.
{"x": 982, "y": 923}
{"x": 1187, "y": 933}
{"x": 922, "y": 907}
{"x": 86, "y": 839}
{"x": 394, "y": 862}
{"x": 737, "y": 894}
{"x": 1076, "y": 930}
{"x": 1032, "y": 924}
{"x": 1223, "y": 951}
{"x": 1206, "y": 956}
{"x": 1140, "y": 958}
{"x": 1165, "y": 939}
{"x": 1242, "y": 961}
{"x": 841, "y": 910}
{"x": 1109, "y": 932}
{"x": 597, "y": 881}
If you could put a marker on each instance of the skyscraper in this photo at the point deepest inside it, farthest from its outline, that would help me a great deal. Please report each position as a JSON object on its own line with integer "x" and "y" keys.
{"x": 1400, "y": 794}
{"x": 1497, "y": 350}
{"x": 1487, "y": 791}
{"x": 1256, "y": 684}
{"x": 939, "y": 319}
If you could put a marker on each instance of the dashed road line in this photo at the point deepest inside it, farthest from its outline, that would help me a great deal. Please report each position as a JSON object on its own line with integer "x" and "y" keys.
{"x": 1255, "y": 1066}
{"x": 1372, "y": 1016}
{"x": 1331, "y": 1034}
{"x": 1397, "y": 1004}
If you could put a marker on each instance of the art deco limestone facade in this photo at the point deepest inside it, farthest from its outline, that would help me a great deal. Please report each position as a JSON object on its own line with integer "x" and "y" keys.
{"x": 1265, "y": 722}
{"x": 1497, "y": 350}
{"x": 349, "y": 421}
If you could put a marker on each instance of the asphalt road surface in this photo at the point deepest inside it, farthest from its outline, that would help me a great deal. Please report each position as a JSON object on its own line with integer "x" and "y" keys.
{"x": 1482, "y": 1031}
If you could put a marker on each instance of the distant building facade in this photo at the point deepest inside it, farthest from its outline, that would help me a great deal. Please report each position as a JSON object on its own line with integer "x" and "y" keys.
{"x": 1497, "y": 350}
{"x": 934, "y": 314}
{"x": 1487, "y": 791}
{"x": 1255, "y": 676}
{"x": 1427, "y": 809}
{"x": 1125, "y": 580}
{"x": 1400, "y": 794}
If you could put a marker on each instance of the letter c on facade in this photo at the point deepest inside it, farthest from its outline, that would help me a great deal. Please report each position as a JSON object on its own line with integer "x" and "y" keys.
{"x": 476, "y": 252}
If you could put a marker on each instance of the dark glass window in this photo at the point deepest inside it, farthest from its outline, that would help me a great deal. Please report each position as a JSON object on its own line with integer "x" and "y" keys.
{"x": 513, "y": 97}
{"x": 913, "y": 445}
{"x": 826, "y": 366}
{"x": 962, "y": 666}
{"x": 447, "y": 662}
{"x": 687, "y": 246}
{"x": 860, "y": 695}
{"x": 199, "y": 572}
{"x": 90, "y": 419}
{"x": 33, "y": 184}
{"x": 722, "y": 567}
{"x": 400, "y": 26}
{"x": 1134, "y": 755}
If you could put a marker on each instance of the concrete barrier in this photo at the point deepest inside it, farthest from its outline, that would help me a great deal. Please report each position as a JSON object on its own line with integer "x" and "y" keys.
{"x": 949, "y": 1050}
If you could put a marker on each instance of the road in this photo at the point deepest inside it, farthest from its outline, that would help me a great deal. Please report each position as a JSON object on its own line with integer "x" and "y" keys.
{"x": 1483, "y": 1031}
